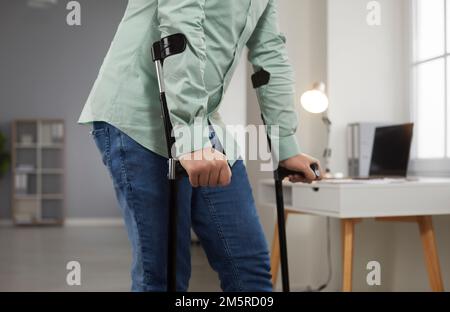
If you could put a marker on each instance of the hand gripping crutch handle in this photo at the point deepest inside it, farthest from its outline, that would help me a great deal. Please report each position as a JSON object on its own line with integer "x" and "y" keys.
{"x": 281, "y": 173}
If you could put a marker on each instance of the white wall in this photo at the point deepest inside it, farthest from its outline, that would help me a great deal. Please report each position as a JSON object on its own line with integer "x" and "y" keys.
{"x": 368, "y": 77}
{"x": 367, "y": 80}
{"x": 367, "y": 68}
{"x": 233, "y": 109}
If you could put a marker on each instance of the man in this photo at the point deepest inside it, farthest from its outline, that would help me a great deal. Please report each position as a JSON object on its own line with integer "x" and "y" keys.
{"x": 127, "y": 127}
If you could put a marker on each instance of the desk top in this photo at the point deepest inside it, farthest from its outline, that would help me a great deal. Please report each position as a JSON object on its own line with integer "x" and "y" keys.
{"x": 364, "y": 198}
{"x": 357, "y": 183}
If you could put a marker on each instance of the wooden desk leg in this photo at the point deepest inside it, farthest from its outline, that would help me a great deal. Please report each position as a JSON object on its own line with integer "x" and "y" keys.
{"x": 275, "y": 253}
{"x": 348, "y": 228}
{"x": 430, "y": 251}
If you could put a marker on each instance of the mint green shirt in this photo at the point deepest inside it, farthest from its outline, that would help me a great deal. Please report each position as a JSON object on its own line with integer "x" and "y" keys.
{"x": 126, "y": 94}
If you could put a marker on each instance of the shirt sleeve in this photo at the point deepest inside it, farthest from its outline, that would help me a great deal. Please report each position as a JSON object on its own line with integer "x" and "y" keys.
{"x": 267, "y": 50}
{"x": 184, "y": 73}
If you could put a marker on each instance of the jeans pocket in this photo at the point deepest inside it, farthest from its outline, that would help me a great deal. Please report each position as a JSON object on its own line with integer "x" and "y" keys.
{"x": 102, "y": 141}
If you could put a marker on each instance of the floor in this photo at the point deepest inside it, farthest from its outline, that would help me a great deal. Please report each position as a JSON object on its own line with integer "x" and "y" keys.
{"x": 35, "y": 259}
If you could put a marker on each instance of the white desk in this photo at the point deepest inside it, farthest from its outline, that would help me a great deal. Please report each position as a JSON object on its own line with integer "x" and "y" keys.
{"x": 350, "y": 201}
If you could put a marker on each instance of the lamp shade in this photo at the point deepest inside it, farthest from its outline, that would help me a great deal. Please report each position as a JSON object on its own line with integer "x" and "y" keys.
{"x": 315, "y": 100}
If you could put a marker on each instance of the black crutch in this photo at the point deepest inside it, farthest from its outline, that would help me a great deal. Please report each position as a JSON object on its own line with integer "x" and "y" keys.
{"x": 168, "y": 46}
{"x": 260, "y": 79}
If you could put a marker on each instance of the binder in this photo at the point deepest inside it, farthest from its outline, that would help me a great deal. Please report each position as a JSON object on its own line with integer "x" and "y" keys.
{"x": 360, "y": 137}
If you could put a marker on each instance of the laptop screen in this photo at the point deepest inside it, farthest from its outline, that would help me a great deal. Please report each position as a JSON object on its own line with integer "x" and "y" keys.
{"x": 391, "y": 148}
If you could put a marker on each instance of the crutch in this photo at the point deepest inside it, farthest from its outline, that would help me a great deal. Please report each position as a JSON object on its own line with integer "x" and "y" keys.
{"x": 260, "y": 79}
{"x": 166, "y": 47}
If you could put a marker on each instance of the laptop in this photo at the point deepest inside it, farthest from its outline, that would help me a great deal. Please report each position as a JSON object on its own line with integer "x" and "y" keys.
{"x": 390, "y": 156}
{"x": 390, "y": 153}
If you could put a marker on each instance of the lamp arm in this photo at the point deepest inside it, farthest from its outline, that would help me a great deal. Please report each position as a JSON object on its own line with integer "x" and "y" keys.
{"x": 327, "y": 151}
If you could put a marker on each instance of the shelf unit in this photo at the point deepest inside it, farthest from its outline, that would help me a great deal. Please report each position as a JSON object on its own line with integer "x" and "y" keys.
{"x": 38, "y": 171}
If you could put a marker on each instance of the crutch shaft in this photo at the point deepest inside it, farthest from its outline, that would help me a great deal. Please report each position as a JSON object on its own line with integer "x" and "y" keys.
{"x": 166, "y": 47}
{"x": 282, "y": 235}
{"x": 172, "y": 237}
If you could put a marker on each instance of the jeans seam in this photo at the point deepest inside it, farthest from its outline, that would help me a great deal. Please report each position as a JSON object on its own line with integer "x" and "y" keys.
{"x": 136, "y": 216}
{"x": 222, "y": 237}
{"x": 123, "y": 165}
{"x": 138, "y": 241}
{"x": 108, "y": 148}
{"x": 134, "y": 212}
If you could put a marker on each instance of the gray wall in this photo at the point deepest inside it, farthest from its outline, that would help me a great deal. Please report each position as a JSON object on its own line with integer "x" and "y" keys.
{"x": 46, "y": 70}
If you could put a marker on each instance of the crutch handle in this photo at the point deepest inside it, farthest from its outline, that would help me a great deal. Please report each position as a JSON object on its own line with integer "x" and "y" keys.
{"x": 168, "y": 46}
{"x": 283, "y": 172}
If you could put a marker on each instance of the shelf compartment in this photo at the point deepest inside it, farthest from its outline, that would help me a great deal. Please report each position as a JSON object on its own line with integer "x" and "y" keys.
{"x": 52, "y": 210}
{"x": 26, "y": 211}
{"x": 51, "y": 159}
{"x": 51, "y": 133}
{"x": 27, "y": 132}
{"x": 26, "y": 159}
{"x": 25, "y": 184}
{"x": 51, "y": 184}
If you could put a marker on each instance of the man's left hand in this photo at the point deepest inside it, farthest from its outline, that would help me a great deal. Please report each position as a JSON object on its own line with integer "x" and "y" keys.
{"x": 301, "y": 163}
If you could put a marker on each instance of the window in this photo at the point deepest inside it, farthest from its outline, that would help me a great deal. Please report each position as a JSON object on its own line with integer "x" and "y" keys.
{"x": 431, "y": 72}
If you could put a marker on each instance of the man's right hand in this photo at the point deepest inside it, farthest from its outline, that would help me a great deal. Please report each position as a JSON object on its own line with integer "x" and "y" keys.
{"x": 207, "y": 167}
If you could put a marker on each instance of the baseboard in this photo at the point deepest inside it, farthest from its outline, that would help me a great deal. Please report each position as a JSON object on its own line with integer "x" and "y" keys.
{"x": 78, "y": 222}
{"x": 6, "y": 222}
{"x": 94, "y": 222}
{"x": 293, "y": 287}
{"x": 296, "y": 287}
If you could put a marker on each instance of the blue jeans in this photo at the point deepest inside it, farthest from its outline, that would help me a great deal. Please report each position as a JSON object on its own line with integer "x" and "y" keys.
{"x": 224, "y": 219}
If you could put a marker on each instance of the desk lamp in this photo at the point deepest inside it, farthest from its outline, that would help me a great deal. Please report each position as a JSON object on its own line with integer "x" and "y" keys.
{"x": 315, "y": 101}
